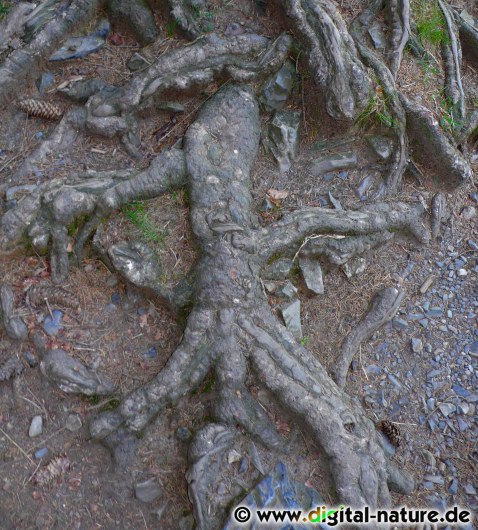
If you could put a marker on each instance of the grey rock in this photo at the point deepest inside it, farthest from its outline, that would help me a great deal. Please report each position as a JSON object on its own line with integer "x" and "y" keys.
{"x": 281, "y": 137}
{"x": 417, "y": 345}
{"x": 52, "y": 324}
{"x": 354, "y": 266}
{"x": 148, "y": 491}
{"x": 44, "y": 82}
{"x": 469, "y": 489}
{"x": 447, "y": 408}
{"x": 453, "y": 487}
{"x": 462, "y": 424}
{"x": 378, "y": 36}
{"x": 72, "y": 376}
{"x": 278, "y": 270}
{"x": 436, "y": 479}
{"x": 335, "y": 202}
{"x": 332, "y": 163}
{"x": 136, "y": 262}
{"x": 291, "y": 315}
{"x": 312, "y": 274}
{"x": 41, "y": 453}
{"x": 278, "y": 88}
{"x": 288, "y": 290}
{"x": 468, "y": 213}
{"x": 399, "y": 323}
{"x": 137, "y": 62}
{"x": 36, "y": 427}
{"x": 373, "y": 369}
{"x": 381, "y": 145}
{"x": 73, "y": 422}
{"x": 277, "y": 489}
{"x": 77, "y": 47}
{"x": 364, "y": 186}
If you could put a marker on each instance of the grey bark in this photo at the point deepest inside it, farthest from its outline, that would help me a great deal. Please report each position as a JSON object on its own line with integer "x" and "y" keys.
{"x": 399, "y": 17}
{"x": 22, "y": 63}
{"x": 331, "y": 55}
{"x": 231, "y": 311}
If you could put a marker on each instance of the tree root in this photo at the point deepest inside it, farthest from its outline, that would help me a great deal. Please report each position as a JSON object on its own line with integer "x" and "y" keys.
{"x": 399, "y": 16}
{"x": 399, "y": 159}
{"x": 242, "y": 58}
{"x": 451, "y": 52}
{"x": 332, "y": 56}
{"x": 231, "y": 317}
{"x": 368, "y": 221}
{"x": 47, "y": 213}
{"x": 23, "y": 63}
{"x": 383, "y": 308}
{"x": 432, "y": 149}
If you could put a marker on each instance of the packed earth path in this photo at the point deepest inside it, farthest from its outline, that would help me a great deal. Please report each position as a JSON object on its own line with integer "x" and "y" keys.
{"x": 239, "y": 251}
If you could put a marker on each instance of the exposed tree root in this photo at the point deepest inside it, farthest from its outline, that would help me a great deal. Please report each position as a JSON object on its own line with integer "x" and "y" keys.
{"x": 451, "y": 51}
{"x": 231, "y": 315}
{"x": 331, "y": 55}
{"x": 23, "y": 63}
{"x": 433, "y": 149}
{"x": 383, "y": 307}
{"x": 399, "y": 158}
{"x": 242, "y": 58}
{"x": 399, "y": 16}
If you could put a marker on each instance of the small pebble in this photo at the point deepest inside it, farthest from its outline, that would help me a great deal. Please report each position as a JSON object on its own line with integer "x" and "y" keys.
{"x": 36, "y": 427}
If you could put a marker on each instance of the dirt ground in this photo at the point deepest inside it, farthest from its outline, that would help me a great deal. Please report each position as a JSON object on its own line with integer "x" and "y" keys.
{"x": 129, "y": 336}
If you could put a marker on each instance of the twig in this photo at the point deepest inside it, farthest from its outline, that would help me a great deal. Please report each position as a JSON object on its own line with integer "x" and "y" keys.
{"x": 33, "y": 474}
{"x": 16, "y": 445}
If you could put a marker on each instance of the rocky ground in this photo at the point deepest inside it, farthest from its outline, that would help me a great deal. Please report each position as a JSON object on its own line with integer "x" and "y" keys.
{"x": 420, "y": 371}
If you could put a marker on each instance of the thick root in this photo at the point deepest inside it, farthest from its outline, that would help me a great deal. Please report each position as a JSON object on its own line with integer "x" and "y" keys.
{"x": 243, "y": 58}
{"x": 399, "y": 16}
{"x": 293, "y": 228}
{"x": 332, "y": 56}
{"x": 23, "y": 63}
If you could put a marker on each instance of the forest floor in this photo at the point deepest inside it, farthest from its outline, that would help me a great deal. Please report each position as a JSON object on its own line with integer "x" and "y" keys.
{"x": 128, "y": 336}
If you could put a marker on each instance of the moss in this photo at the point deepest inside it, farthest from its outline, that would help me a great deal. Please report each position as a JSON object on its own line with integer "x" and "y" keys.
{"x": 376, "y": 111}
{"x": 274, "y": 257}
{"x": 430, "y": 22}
{"x": 5, "y": 6}
{"x": 137, "y": 215}
{"x": 112, "y": 404}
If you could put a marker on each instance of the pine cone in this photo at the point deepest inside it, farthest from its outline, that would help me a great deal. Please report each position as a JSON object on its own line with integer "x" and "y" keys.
{"x": 37, "y": 294}
{"x": 391, "y": 431}
{"x": 40, "y": 109}
{"x": 57, "y": 467}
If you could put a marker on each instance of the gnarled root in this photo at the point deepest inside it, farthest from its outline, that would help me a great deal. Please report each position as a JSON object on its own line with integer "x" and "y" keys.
{"x": 451, "y": 52}
{"x": 432, "y": 149}
{"x": 399, "y": 157}
{"x": 242, "y": 58}
{"x": 46, "y": 214}
{"x": 346, "y": 436}
{"x": 383, "y": 308}
{"x": 399, "y": 16}
{"x": 332, "y": 56}
{"x": 23, "y": 63}
{"x": 293, "y": 228}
